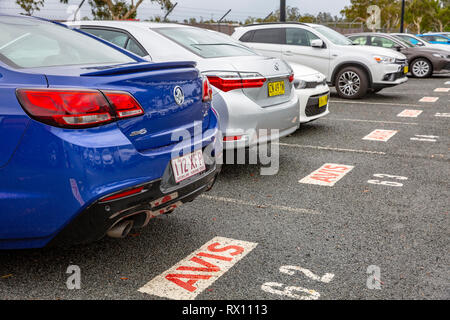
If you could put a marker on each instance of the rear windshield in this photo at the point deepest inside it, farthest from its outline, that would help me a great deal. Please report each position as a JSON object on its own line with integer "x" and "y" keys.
{"x": 32, "y": 43}
{"x": 206, "y": 44}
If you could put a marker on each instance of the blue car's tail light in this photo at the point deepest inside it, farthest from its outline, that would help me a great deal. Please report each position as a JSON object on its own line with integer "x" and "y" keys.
{"x": 124, "y": 104}
{"x": 77, "y": 108}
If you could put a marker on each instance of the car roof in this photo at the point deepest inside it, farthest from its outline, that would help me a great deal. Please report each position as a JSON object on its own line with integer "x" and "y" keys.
{"x": 122, "y": 23}
{"x": 280, "y": 23}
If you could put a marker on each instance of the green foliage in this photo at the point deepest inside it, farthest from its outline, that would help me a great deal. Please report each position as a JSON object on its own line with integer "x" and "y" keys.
{"x": 420, "y": 15}
{"x": 29, "y": 6}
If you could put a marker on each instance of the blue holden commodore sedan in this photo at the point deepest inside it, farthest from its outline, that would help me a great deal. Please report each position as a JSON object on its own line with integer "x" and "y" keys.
{"x": 94, "y": 140}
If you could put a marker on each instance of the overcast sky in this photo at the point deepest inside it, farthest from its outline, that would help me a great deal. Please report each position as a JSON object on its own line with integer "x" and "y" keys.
{"x": 241, "y": 9}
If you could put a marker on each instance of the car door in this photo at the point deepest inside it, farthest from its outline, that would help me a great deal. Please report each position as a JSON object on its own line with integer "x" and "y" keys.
{"x": 298, "y": 49}
{"x": 266, "y": 41}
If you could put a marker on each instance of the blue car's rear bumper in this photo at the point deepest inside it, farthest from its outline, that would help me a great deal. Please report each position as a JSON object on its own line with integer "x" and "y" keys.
{"x": 50, "y": 188}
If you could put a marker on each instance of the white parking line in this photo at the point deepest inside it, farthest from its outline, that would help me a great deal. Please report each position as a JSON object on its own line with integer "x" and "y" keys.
{"x": 254, "y": 204}
{"x": 330, "y": 148}
{"x": 441, "y": 114}
{"x": 370, "y": 121}
{"x": 327, "y": 175}
{"x": 192, "y": 275}
{"x": 375, "y": 103}
{"x": 442, "y": 90}
{"x": 410, "y": 113}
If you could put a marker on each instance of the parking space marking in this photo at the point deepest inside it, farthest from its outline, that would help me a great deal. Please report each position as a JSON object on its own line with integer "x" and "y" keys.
{"x": 410, "y": 113}
{"x": 429, "y": 99}
{"x": 442, "y": 114}
{"x": 192, "y": 275}
{"x": 331, "y": 149}
{"x": 387, "y": 182}
{"x": 254, "y": 204}
{"x": 442, "y": 90}
{"x": 370, "y": 121}
{"x": 427, "y": 138}
{"x": 375, "y": 103}
{"x": 327, "y": 175}
{"x": 380, "y": 135}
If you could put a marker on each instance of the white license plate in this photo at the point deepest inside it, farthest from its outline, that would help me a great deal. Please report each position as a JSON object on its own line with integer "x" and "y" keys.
{"x": 188, "y": 165}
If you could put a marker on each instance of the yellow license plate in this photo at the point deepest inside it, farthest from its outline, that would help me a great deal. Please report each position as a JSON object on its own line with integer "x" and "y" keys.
{"x": 406, "y": 69}
{"x": 323, "y": 101}
{"x": 276, "y": 88}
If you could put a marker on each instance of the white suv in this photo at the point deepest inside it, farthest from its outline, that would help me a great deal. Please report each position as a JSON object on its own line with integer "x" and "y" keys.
{"x": 353, "y": 70}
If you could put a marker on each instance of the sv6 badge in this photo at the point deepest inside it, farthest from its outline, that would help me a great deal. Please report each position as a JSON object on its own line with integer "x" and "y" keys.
{"x": 139, "y": 132}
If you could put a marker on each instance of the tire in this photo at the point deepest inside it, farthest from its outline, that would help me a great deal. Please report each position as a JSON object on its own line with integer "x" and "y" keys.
{"x": 351, "y": 83}
{"x": 421, "y": 68}
{"x": 376, "y": 90}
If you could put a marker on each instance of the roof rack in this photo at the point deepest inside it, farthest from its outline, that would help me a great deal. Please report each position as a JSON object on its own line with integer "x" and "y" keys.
{"x": 269, "y": 23}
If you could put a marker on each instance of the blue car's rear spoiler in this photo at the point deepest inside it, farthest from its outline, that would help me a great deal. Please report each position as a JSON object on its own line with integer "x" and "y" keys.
{"x": 138, "y": 67}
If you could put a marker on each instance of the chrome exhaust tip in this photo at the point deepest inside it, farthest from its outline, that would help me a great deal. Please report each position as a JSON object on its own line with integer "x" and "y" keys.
{"x": 120, "y": 230}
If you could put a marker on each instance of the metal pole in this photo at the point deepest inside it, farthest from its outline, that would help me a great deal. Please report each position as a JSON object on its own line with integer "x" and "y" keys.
{"x": 220, "y": 20}
{"x": 402, "y": 17}
{"x": 167, "y": 14}
{"x": 76, "y": 12}
{"x": 268, "y": 16}
{"x": 282, "y": 10}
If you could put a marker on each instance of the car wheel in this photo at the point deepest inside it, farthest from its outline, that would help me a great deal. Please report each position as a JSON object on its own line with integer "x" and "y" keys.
{"x": 376, "y": 90}
{"x": 421, "y": 68}
{"x": 351, "y": 83}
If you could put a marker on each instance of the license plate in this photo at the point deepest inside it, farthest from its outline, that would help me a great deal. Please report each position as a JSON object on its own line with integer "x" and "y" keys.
{"x": 188, "y": 165}
{"x": 323, "y": 101}
{"x": 405, "y": 69}
{"x": 276, "y": 88}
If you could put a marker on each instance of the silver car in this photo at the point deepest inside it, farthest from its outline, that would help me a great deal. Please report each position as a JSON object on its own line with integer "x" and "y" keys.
{"x": 250, "y": 92}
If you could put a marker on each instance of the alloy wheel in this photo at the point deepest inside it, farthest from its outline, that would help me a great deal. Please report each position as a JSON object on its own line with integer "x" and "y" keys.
{"x": 349, "y": 83}
{"x": 421, "y": 68}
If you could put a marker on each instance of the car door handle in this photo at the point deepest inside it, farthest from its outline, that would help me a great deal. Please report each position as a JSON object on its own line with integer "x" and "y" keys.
{"x": 288, "y": 53}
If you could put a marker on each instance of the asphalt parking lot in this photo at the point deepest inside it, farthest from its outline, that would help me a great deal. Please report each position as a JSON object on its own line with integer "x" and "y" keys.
{"x": 380, "y": 232}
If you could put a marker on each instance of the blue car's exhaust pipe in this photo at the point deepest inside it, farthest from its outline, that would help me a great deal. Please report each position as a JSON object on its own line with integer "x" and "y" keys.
{"x": 121, "y": 229}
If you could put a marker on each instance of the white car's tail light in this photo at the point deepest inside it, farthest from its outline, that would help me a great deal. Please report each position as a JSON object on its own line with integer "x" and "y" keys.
{"x": 227, "y": 81}
{"x": 206, "y": 90}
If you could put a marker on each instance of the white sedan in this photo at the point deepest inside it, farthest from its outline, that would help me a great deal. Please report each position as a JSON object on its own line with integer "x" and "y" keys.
{"x": 252, "y": 94}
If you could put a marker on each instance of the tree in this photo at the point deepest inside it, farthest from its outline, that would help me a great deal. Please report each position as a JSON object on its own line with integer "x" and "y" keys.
{"x": 419, "y": 14}
{"x": 441, "y": 16}
{"x": 120, "y": 9}
{"x": 29, "y": 6}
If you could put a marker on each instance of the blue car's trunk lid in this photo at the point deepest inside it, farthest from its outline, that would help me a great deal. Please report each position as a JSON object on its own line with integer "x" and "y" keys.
{"x": 153, "y": 86}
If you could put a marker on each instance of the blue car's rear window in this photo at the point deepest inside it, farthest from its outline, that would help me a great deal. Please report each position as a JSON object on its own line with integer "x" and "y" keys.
{"x": 30, "y": 43}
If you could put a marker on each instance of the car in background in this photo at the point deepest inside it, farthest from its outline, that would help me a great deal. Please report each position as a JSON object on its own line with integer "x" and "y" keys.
{"x": 352, "y": 70}
{"x": 420, "y": 42}
{"x": 250, "y": 92}
{"x": 313, "y": 92}
{"x": 437, "y": 38}
{"x": 91, "y": 136}
{"x": 423, "y": 62}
